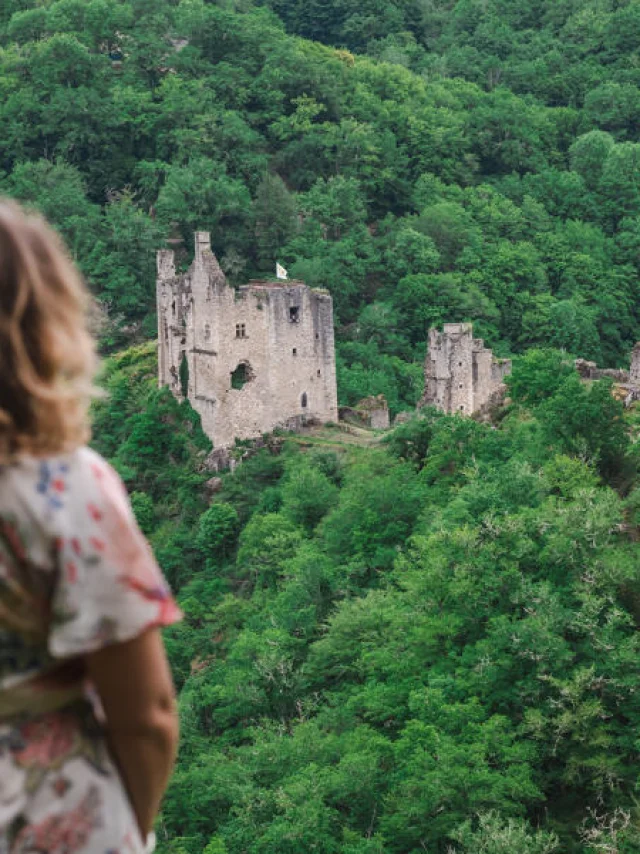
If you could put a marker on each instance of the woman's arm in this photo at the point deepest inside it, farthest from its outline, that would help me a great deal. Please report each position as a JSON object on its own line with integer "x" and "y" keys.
{"x": 134, "y": 683}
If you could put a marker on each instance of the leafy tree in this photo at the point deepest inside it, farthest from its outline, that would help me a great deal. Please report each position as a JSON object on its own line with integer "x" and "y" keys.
{"x": 144, "y": 511}
{"x": 620, "y": 183}
{"x": 589, "y": 154}
{"x": 275, "y": 219}
{"x": 265, "y": 544}
{"x": 451, "y": 229}
{"x": 201, "y": 196}
{"x": 59, "y": 192}
{"x": 588, "y": 421}
{"x": 217, "y": 531}
{"x": 378, "y": 491}
{"x": 613, "y": 106}
{"x": 307, "y": 496}
{"x": 538, "y": 375}
{"x": 411, "y": 253}
{"x": 27, "y": 25}
{"x": 122, "y": 263}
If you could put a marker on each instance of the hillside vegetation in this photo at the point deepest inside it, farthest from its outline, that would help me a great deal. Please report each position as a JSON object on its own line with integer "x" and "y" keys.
{"x": 430, "y": 644}
{"x": 508, "y": 195}
{"x": 422, "y": 642}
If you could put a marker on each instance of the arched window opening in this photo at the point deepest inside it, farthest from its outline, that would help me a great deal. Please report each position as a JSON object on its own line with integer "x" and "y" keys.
{"x": 304, "y": 400}
{"x": 242, "y": 375}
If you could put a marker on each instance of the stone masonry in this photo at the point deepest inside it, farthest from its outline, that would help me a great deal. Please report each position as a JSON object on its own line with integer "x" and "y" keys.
{"x": 371, "y": 413}
{"x": 252, "y": 359}
{"x": 378, "y": 411}
{"x": 626, "y": 383}
{"x": 634, "y": 375}
{"x": 590, "y": 371}
{"x": 461, "y": 374}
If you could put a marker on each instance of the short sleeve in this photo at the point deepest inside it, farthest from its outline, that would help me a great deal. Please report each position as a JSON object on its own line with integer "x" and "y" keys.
{"x": 108, "y": 587}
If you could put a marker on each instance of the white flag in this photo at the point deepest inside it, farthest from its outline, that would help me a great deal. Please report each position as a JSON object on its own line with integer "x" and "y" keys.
{"x": 281, "y": 273}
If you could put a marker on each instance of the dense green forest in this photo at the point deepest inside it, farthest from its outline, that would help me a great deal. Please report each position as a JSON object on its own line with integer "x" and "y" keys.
{"x": 487, "y": 170}
{"x": 422, "y": 642}
{"x": 429, "y": 643}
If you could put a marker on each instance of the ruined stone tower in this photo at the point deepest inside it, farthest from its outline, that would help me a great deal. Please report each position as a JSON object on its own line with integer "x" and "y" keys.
{"x": 461, "y": 374}
{"x": 250, "y": 360}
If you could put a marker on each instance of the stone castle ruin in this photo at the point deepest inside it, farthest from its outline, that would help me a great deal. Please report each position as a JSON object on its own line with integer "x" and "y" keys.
{"x": 249, "y": 360}
{"x": 461, "y": 375}
{"x": 634, "y": 374}
{"x": 263, "y": 356}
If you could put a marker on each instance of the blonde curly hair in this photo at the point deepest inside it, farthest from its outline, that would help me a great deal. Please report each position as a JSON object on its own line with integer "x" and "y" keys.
{"x": 47, "y": 356}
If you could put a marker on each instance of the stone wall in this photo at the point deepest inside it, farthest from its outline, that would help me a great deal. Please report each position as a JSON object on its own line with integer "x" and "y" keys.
{"x": 627, "y": 383}
{"x": 461, "y": 374}
{"x": 377, "y": 410}
{"x": 634, "y": 376}
{"x": 258, "y": 358}
{"x": 590, "y": 371}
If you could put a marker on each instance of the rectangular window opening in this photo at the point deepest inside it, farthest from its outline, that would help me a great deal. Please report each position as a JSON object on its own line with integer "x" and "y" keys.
{"x": 294, "y": 314}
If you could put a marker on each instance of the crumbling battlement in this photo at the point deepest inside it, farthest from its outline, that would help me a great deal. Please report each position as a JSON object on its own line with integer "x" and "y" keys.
{"x": 250, "y": 360}
{"x": 461, "y": 374}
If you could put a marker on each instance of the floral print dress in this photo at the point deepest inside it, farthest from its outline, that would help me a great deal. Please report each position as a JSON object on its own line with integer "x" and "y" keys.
{"x": 76, "y": 574}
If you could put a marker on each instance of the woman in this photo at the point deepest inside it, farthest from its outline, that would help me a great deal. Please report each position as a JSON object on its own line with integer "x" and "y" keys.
{"x": 81, "y": 597}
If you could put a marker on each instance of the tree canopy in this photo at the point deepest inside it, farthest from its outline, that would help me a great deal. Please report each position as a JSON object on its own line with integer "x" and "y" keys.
{"x": 430, "y": 644}
{"x": 428, "y": 162}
